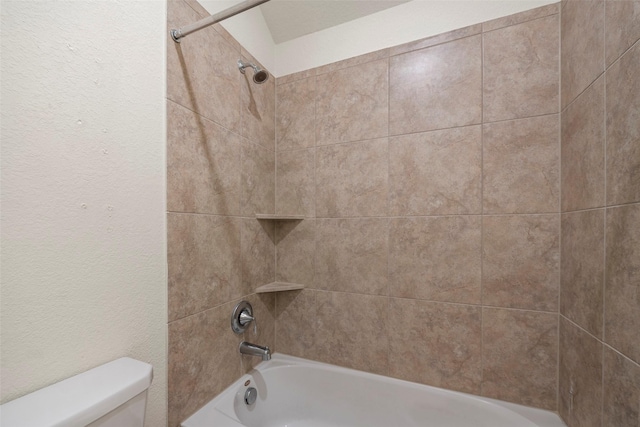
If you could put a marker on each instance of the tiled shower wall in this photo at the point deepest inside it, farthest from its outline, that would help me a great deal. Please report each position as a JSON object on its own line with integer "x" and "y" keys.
{"x": 220, "y": 173}
{"x": 600, "y": 285}
{"x": 429, "y": 176}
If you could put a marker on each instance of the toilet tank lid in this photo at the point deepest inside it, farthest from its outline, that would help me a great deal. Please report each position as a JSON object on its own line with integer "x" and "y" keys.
{"x": 82, "y": 399}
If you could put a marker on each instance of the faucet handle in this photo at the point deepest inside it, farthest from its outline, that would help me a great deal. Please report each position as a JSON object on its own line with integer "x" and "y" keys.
{"x": 245, "y": 317}
{"x": 242, "y": 315}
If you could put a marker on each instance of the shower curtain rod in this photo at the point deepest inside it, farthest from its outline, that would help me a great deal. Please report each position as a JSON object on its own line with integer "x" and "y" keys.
{"x": 177, "y": 34}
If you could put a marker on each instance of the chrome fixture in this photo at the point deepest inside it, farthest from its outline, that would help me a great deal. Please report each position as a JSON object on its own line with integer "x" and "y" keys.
{"x": 177, "y": 34}
{"x": 250, "y": 396}
{"x": 241, "y": 317}
{"x": 259, "y": 75}
{"x": 255, "y": 350}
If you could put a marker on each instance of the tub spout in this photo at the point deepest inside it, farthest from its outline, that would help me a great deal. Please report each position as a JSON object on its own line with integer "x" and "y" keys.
{"x": 255, "y": 350}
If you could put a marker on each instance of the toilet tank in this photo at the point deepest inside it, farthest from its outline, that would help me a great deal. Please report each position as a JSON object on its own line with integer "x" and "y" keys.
{"x": 111, "y": 395}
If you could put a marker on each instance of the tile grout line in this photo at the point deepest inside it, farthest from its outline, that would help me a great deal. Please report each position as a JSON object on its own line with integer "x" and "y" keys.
{"x": 482, "y": 119}
{"x": 606, "y": 208}
{"x": 560, "y": 114}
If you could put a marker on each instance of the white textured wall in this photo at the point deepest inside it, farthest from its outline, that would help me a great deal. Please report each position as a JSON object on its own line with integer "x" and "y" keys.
{"x": 83, "y": 246}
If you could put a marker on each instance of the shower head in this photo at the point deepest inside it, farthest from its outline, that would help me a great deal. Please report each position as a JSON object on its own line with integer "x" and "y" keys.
{"x": 259, "y": 75}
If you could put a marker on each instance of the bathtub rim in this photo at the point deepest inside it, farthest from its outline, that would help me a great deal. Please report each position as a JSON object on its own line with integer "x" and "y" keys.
{"x": 210, "y": 415}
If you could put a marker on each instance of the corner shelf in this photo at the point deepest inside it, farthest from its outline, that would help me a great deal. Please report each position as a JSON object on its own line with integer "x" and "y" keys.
{"x": 278, "y": 287}
{"x": 280, "y": 217}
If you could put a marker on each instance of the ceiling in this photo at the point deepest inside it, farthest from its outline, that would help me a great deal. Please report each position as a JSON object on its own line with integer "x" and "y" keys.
{"x": 290, "y": 19}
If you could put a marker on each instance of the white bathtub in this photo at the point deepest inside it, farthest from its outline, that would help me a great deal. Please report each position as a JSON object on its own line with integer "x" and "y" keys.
{"x": 295, "y": 392}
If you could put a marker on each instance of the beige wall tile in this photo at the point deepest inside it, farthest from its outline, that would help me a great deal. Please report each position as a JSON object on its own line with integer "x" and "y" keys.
{"x": 352, "y": 62}
{"x": 621, "y": 390}
{"x": 204, "y": 80}
{"x": 521, "y": 261}
{"x": 296, "y": 322}
{"x": 521, "y": 70}
{"x": 582, "y": 288}
{"x": 351, "y": 104}
{"x": 436, "y": 344}
{"x": 449, "y": 36}
{"x": 519, "y": 18}
{"x": 583, "y": 133}
{"x": 204, "y": 262}
{"x": 290, "y": 78}
{"x": 582, "y": 46}
{"x": 195, "y": 375}
{"x": 623, "y": 129}
{"x": 580, "y": 371}
{"x": 352, "y": 179}
{"x": 622, "y": 287}
{"x": 257, "y": 108}
{"x": 520, "y": 356}
{"x": 622, "y": 27}
{"x": 521, "y": 166}
{"x": 258, "y": 254}
{"x": 295, "y": 251}
{"x": 258, "y": 180}
{"x": 295, "y": 183}
{"x": 437, "y": 87}
{"x": 295, "y": 114}
{"x": 351, "y": 255}
{"x": 203, "y": 164}
{"x": 436, "y": 172}
{"x": 435, "y": 258}
{"x": 354, "y": 338}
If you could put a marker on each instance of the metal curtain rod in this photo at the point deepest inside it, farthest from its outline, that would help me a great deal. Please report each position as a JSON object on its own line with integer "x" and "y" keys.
{"x": 181, "y": 32}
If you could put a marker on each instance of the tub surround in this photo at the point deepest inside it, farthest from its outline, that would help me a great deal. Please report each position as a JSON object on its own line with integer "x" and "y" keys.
{"x": 220, "y": 174}
{"x": 600, "y": 317}
{"x": 431, "y": 241}
{"x": 430, "y": 177}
